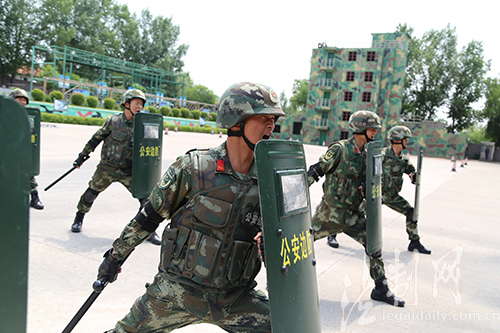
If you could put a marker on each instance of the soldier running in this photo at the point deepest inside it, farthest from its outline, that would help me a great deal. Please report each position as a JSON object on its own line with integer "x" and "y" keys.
{"x": 341, "y": 207}
{"x": 209, "y": 257}
{"x": 116, "y": 157}
{"x": 21, "y": 96}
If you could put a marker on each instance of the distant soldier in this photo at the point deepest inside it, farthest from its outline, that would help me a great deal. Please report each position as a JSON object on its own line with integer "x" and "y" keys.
{"x": 395, "y": 164}
{"x": 209, "y": 257}
{"x": 21, "y": 96}
{"x": 341, "y": 208}
{"x": 116, "y": 156}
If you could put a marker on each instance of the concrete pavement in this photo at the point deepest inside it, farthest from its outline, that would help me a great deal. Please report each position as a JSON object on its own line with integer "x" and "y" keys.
{"x": 456, "y": 288}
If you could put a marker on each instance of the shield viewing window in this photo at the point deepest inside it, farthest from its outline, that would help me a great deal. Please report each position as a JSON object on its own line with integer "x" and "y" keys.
{"x": 293, "y": 186}
{"x": 151, "y": 131}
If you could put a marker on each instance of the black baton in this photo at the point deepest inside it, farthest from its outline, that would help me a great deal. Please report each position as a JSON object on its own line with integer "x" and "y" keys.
{"x": 59, "y": 179}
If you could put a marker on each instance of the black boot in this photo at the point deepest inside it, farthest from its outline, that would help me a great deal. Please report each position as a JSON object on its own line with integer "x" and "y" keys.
{"x": 35, "y": 201}
{"x": 416, "y": 245}
{"x": 77, "y": 223}
{"x": 382, "y": 293}
{"x": 332, "y": 241}
{"x": 154, "y": 238}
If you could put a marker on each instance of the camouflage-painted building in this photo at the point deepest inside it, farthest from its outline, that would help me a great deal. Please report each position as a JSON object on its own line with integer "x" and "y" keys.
{"x": 343, "y": 81}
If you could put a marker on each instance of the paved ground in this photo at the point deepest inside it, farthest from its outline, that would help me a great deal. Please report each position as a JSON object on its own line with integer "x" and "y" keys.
{"x": 454, "y": 289}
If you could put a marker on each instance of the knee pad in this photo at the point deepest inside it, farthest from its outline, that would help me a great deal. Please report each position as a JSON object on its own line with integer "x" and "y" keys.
{"x": 377, "y": 254}
{"x": 409, "y": 215}
{"x": 90, "y": 195}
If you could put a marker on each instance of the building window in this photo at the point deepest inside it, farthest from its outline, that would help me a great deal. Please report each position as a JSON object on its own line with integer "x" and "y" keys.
{"x": 367, "y": 96}
{"x": 350, "y": 76}
{"x": 277, "y": 128}
{"x": 370, "y": 56}
{"x": 346, "y": 115}
{"x": 297, "y": 127}
{"x": 352, "y": 55}
{"x": 348, "y": 96}
{"x": 344, "y": 135}
{"x": 368, "y": 76}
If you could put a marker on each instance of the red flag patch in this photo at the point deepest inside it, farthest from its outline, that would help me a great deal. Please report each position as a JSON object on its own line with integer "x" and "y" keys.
{"x": 220, "y": 165}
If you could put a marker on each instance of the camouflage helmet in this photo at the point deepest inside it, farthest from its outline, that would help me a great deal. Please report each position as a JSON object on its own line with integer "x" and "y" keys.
{"x": 18, "y": 92}
{"x": 245, "y": 99}
{"x": 361, "y": 120}
{"x": 131, "y": 94}
{"x": 399, "y": 133}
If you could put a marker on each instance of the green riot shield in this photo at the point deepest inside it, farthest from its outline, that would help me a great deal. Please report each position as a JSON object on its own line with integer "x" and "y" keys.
{"x": 15, "y": 158}
{"x": 289, "y": 250}
{"x": 146, "y": 165}
{"x": 418, "y": 175}
{"x": 373, "y": 197}
{"x": 34, "y": 119}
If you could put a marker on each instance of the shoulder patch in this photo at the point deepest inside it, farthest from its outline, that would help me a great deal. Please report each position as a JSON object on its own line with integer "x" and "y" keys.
{"x": 332, "y": 151}
{"x": 167, "y": 179}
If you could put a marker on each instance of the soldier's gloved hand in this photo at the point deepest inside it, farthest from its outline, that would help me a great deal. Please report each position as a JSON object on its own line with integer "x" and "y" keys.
{"x": 413, "y": 177}
{"x": 315, "y": 172}
{"x": 260, "y": 246}
{"x": 363, "y": 189}
{"x": 110, "y": 267}
{"x": 79, "y": 161}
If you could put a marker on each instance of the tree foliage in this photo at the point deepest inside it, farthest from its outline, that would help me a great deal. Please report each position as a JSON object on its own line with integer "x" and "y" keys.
{"x": 201, "y": 94}
{"x": 491, "y": 109}
{"x": 300, "y": 89}
{"x": 439, "y": 77}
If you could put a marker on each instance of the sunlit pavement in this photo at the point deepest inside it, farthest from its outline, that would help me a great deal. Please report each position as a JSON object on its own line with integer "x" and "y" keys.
{"x": 455, "y": 288}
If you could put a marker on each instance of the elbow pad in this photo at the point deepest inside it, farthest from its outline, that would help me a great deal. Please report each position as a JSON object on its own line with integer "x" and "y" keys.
{"x": 94, "y": 142}
{"x": 151, "y": 220}
{"x": 315, "y": 172}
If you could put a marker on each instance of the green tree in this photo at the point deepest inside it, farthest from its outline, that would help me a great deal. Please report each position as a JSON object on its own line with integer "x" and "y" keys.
{"x": 298, "y": 100}
{"x": 201, "y": 94}
{"x": 468, "y": 86}
{"x": 284, "y": 102}
{"x": 17, "y": 36}
{"x": 55, "y": 22}
{"x": 491, "y": 111}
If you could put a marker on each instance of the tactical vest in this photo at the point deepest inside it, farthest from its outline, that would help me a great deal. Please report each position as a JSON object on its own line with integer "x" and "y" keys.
{"x": 117, "y": 148}
{"x": 203, "y": 232}
{"x": 393, "y": 169}
{"x": 341, "y": 187}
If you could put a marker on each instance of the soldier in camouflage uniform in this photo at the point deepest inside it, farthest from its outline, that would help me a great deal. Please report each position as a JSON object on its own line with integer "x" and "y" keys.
{"x": 209, "y": 254}
{"x": 341, "y": 208}
{"x": 116, "y": 156}
{"x": 395, "y": 164}
{"x": 21, "y": 96}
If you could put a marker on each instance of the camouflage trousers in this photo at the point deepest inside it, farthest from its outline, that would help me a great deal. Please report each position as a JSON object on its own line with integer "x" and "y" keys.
{"x": 104, "y": 176}
{"x": 168, "y": 305}
{"x": 329, "y": 220}
{"x": 33, "y": 184}
{"x": 401, "y": 205}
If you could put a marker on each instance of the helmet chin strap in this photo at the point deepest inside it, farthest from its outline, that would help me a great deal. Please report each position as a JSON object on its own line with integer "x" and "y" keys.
{"x": 241, "y": 133}
{"x": 398, "y": 143}
{"x": 366, "y": 136}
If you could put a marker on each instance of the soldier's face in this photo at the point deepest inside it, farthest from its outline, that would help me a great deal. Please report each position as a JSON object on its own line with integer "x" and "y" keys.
{"x": 136, "y": 105}
{"x": 21, "y": 100}
{"x": 371, "y": 132}
{"x": 259, "y": 127}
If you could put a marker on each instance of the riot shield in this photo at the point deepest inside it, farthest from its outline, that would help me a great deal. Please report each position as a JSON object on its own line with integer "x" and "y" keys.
{"x": 34, "y": 119}
{"x": 418, "y": 174}
{"x": 146, "y": 165}
{"x": 373, "y": 197}
{"x": 289, "y": 248}
{"x": 15, "y": 159}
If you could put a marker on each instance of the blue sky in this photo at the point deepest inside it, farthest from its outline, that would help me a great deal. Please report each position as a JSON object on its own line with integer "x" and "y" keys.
{"x": 271, "y": 42}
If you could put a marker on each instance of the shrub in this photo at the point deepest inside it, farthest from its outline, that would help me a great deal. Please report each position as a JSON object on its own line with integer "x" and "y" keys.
{"x": 185, "y": 113}
{"x": 92, "y": 101}
{"x": 37, "y": 95}
{"x": 48, "y": 99}
{"x": 204, "y": 115}
{"x": 117, "y": 107}
{"x": 56, "y": 94}
{"x": 78, "y": 99}
{"x": 152, "y": 109}
{"x": 109, "y": 103}
{"x": 175, "y": 112}
{"x": 196, "y": 114}
{"x": 59, "y": 118}
{"x": 212, "y": 116}
{"x": 165, "y": 110}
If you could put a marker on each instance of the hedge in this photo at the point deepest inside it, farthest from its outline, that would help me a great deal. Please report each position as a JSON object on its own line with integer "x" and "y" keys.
{"x": 92, "y": 101}
{"x": 165, "y": 110}
{"x": 109, "y": 103}
{"x": 56, "y": 94}
{"x": 37, "y": 95}
{"x": 185, "y": 113}
{"x": 78, "y": 99}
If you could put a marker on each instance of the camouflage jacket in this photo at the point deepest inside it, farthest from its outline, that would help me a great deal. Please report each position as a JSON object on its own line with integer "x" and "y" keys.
{"x": 117, "y": 133}
{"x": 215, "y": 214}
{"x": 393, "y": 169}
{"x": 344, "y": 166}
